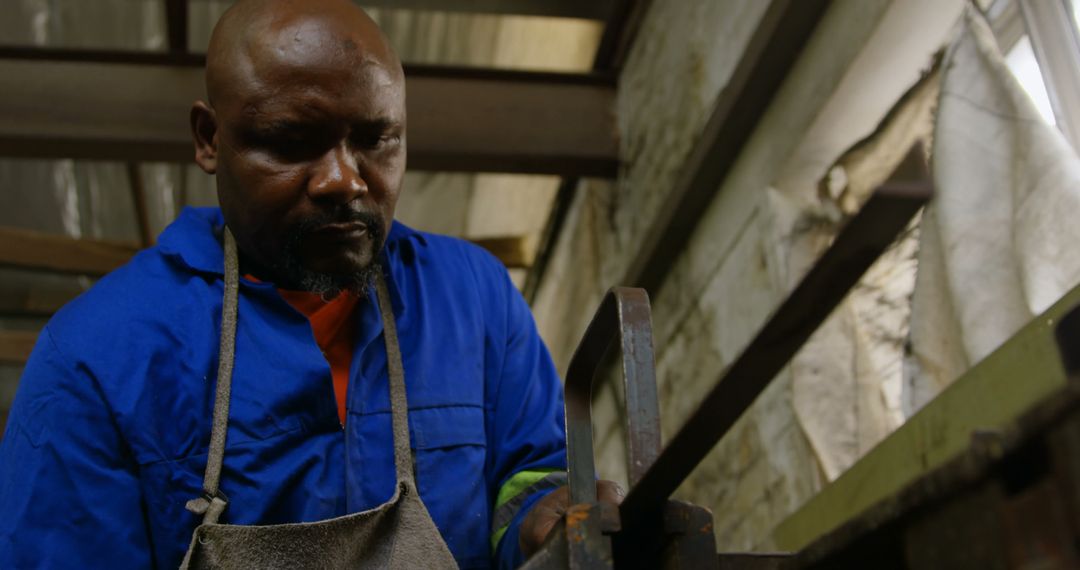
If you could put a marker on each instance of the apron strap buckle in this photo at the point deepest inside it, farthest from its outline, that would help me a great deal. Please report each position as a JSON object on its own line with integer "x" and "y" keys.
{"x": 202, "y": 504}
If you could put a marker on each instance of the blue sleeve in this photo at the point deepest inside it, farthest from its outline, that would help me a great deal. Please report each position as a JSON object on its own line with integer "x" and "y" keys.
{"x": 69, "y": 494}
{"x": 529, "y": 426}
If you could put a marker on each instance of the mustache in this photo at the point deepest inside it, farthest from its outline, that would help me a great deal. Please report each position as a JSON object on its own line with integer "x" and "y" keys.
{"x": 340, "y": 215}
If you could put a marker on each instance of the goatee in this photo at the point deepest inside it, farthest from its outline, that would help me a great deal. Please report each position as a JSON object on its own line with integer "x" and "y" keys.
{"x": 290, "y": 270}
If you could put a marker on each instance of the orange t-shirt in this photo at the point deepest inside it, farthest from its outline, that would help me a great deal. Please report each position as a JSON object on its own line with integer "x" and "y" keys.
{"x": 334, "y": 325}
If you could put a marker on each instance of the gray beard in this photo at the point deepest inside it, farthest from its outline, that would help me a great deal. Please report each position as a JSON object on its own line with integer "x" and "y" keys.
{"x": 292, "y": 273}
{"x": 329, "y": 286}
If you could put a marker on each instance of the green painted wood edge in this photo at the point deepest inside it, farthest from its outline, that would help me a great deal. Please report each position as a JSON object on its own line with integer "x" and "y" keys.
{"x": 991, "y": 395}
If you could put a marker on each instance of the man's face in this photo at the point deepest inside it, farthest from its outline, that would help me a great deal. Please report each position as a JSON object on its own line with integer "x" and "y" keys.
{"x": 311, "y": 156}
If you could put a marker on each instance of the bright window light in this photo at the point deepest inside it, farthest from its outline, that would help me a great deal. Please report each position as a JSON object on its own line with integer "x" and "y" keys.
{"x": 1021, "y": 61}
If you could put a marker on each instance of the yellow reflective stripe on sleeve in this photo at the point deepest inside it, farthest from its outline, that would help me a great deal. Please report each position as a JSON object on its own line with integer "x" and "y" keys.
{"x": 519, "y": 482}
{"x": 495, "y": 538}
{"x": 514, "y": 492}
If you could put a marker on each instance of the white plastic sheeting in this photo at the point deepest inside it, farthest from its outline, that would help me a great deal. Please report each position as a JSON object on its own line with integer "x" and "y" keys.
{"x": 998, "y": 245}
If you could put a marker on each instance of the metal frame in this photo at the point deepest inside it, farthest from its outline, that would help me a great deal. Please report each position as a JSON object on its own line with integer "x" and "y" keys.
{"x": 623, "y": 313}
{"x": 590, "y": 10}
{"x": 859, "y": 244}
{"x": 652, "y": 531}
{"x": 463, "y": 119}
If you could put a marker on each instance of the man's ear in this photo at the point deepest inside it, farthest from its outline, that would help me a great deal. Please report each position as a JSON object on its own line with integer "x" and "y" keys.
{"x": 204, "y": 130}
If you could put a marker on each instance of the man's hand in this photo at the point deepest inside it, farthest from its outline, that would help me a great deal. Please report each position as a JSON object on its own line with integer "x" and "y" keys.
{"x": 547, "y": 511}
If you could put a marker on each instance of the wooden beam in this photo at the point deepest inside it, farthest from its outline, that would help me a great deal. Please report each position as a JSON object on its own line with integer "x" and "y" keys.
{"x": 15, "y": 346}
{"x": 24, "y": 249}
{"x": 512, "y": 251}
{"x": 69, "y": 105}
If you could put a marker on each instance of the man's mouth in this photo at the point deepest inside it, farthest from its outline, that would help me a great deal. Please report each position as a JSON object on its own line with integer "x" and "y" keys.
{"x": 342, "y": 230}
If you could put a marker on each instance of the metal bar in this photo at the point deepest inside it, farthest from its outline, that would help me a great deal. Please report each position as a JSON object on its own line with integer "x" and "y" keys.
{"x": 771, "y": 53}
{"x": 753, "y": 561}
{"x": 549, "y": 239}
{"x": 463, "y": 120}
{"x": 591, "y": 10}
{"x": 131, "y": 57}
{"x": 176, "y": 22}
{"x": 597, "y": 78}
{"x": 691, "y": 544}
{"x": 624, "y": 312}
{"x": 1057, "y": 48}
{"x": 579, "y": 540}
{"x": 622, "y": 28}
{"x": 1067, "y": 335}
{"x": 855, "y": 249}
{"x": 588, "y": 10}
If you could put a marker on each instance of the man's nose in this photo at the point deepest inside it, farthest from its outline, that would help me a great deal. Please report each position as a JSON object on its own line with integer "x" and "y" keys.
{"x": 337, "y": 177}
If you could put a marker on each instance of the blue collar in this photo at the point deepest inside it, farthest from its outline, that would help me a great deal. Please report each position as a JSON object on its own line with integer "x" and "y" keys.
{"x": 194, "y": 241}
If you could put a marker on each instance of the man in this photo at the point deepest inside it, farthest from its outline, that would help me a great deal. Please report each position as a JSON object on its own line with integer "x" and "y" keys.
{"x": 304, "y": 128}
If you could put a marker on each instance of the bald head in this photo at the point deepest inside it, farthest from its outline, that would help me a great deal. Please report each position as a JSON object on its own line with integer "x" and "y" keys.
{"x": 255, "y": 35}
{"x": 305, "y": 131}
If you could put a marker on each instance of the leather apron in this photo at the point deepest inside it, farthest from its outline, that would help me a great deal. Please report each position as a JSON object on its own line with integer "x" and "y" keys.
{"x": 396, "y": 534}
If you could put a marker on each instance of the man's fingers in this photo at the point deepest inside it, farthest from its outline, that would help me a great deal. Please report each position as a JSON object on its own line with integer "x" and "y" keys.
{"x": 547, "y": 512}
{"x": 543, "y": 517}
{"x": 609, "y": 492}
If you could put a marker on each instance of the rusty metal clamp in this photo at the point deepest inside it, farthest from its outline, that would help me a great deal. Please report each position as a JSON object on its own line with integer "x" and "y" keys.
{"x": 582, "y": 540}
{"x": 624, "y": 313}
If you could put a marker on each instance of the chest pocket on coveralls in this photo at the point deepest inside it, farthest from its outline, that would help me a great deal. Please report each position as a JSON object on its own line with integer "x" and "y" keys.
{"x": 450, "y": 444}
{"x": 254, "y": 438}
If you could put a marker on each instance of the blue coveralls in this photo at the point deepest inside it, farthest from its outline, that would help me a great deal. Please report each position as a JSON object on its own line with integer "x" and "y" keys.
{"x": 108, "y": 435}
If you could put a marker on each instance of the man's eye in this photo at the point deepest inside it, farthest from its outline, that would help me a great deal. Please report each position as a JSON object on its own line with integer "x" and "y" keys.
{"x": 377, "y": 142}
{"x": 294, "y": 148}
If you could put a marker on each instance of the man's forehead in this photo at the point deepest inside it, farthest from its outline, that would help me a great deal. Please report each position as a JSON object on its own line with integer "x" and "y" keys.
{"x": 362, "y": 92}
{"x": 289, "y": 44}
{"x": 315, "y": 40}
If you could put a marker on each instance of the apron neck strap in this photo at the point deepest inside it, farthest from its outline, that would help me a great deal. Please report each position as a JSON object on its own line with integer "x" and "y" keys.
{"x": 213, "y": 501}
{"x": 399, "y": 407}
